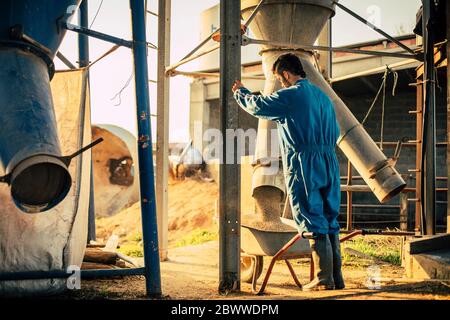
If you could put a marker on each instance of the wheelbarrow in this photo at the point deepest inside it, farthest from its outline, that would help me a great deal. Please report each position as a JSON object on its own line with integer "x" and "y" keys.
{"x": 255, "y": 244}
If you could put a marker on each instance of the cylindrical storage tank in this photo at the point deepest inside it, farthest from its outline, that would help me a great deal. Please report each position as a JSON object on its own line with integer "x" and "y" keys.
{"x": 300, "y": 22}
{"x": 28, "y": 138}
{"x": 114, "y": 161}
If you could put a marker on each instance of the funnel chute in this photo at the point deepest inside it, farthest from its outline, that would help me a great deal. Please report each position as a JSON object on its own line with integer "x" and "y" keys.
{"x": 300, "y": 22}
{"x": 30, "y": 152}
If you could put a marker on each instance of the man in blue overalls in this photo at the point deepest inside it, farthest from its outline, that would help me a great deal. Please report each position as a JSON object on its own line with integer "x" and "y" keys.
{"x": 308, "y": 132}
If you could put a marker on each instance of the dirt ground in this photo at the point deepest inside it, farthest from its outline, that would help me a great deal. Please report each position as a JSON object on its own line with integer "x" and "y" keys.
{"x": 192, "y": 273}
{"x": 192, "y": 204}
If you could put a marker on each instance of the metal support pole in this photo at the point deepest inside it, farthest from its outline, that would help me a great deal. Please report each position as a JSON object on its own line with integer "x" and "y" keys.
{"x": 349, "y": 198}
{"x": 404, "y": 211}
{"x": 229, "y": 220}
{"x": 145, "y": 153}
{"x": 83, "y": 40}
{"x": 419, "y": 128}
{"x": 162, "y": 126}
{"x": 429, "y": 128}
{"x": 448, "y": 113}
{"x": 83, "y": 61}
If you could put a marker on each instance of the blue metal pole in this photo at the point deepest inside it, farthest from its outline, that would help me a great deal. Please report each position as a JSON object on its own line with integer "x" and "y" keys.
{"x": 83, "y": 40}
{"x": 83, "y": 61}
{"x": 146, "y": 175}
{"x": 96, "y": 34}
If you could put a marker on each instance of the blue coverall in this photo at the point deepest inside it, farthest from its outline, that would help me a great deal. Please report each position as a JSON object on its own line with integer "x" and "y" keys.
{"x": 308, "y": 132}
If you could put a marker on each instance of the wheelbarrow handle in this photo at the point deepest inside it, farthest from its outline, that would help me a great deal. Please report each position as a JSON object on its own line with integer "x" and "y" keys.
{"x": 309, "y": 235}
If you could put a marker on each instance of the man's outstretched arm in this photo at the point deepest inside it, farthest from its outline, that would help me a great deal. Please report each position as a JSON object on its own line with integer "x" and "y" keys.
{"x": 272, "y": 107}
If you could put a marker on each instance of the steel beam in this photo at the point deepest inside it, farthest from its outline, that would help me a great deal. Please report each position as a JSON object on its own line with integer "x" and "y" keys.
{"x": 448, "y": 112}
{"x": 229, "y": 184}
{"x": 162, "y": 126}
{"x": 192, "y": 57}
{"x": 83, "y": 61}
{"x": 205, "y": 41}
{"x": 61, "y": 274}
{"x": 97, "y": 35}
{"x": 66, "y": 61}
{"x": 287, "y": 45}
{"x": 419, "y": 129}
{"x": 372, "y": 26}
{"x": 429, "y": 128}
{"x": 145, "y": 152}
{"x": 83, "y": 40}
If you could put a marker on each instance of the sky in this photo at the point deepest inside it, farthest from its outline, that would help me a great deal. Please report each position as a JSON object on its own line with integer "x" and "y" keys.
{"x": 110, "y": 75}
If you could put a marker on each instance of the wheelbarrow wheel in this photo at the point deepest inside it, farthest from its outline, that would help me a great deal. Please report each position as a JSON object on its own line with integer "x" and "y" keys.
{"x": 248, "y": 267}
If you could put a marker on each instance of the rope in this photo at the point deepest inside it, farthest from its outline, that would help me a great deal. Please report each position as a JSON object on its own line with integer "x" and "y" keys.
{"x": 119, "y": 94}
{"x": 383, "y": 83}
{"x": 383, "y": 105}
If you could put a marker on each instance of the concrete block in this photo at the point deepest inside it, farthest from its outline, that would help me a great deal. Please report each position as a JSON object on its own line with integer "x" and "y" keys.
{"x": 429, "y": 243}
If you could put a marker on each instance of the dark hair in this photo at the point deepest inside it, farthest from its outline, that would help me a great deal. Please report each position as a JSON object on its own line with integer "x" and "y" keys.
{"x": 289, "y": 62}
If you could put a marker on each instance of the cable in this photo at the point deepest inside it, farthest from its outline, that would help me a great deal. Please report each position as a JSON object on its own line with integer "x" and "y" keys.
{"x": 383, "y": 83}
{"x": 96, "y": 14}
{"x": 119, "y": 94}
{"x": 382, "y": 88}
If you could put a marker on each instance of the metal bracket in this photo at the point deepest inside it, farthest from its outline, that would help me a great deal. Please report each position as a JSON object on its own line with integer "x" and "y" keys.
{"x": 65, "y": 159}
{"x": 68, "y": 159}
{"x": 20, "y": 40}
{"x": 398, "y": 149}
{"x": 17, "y": 33}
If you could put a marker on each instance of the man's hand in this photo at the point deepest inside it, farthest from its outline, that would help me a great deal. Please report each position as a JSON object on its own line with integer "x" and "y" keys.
{"x": 237, "y": 85}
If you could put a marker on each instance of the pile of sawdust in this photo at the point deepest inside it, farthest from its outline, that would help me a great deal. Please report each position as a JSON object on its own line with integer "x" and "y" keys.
{"x": 192, "y": 204}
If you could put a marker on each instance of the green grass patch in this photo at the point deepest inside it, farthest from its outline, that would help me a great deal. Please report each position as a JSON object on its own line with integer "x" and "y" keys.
{"x": 132, "y": 250}
{"x": 135, "y": 237}
{"x": 198, "y": 236}
{"x": 383, "y": 248}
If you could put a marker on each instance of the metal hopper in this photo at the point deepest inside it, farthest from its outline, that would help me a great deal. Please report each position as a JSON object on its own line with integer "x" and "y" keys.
{"x": 30, "y": 152}
{"x": 300, "y": 22}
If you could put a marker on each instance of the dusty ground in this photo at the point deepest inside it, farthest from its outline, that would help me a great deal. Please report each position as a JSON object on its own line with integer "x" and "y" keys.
{"x": 192, "y": 204}
{"x": 192, "y": 273}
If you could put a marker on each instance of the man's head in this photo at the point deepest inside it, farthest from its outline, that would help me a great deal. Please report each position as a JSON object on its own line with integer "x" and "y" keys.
{"x": 288, "y": 69}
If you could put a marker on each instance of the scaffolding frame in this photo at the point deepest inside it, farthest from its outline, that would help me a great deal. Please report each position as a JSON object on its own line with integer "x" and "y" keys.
{"x": 349, "y": 188}
{"x": 231, "y": 27}
{"x": 139, "y": 46}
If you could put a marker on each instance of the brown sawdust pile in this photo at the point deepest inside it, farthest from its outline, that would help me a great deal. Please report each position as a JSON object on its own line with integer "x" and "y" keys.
{"x": 192, "y": 204}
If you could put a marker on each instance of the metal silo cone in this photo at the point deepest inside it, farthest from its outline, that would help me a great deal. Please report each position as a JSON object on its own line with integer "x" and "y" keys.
{"x": 300, "y": 22}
